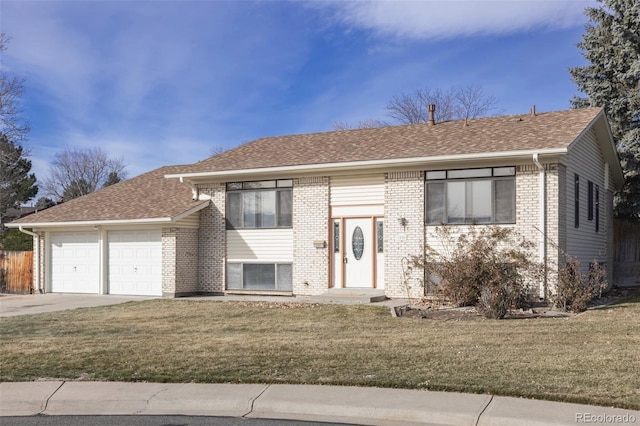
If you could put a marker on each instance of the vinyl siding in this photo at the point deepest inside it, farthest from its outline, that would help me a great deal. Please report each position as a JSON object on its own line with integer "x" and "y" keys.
{"x": 585, "y": 159}
{"x": 357, "y": 190}
{"x": 191, "y": 221}
{"x": 260, "y": 245}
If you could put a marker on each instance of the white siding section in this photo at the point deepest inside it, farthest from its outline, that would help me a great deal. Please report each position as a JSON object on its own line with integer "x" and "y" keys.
{"x": 357, "y": 211}
{"x": 585, "y": 159}
{"x": 264, "y": 245}
{"x": 191, "y": 221}
{"x": 357, "y": 190}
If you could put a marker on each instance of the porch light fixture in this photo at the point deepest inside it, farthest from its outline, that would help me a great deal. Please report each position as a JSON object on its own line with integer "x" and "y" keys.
{"x": 319, "y": 244}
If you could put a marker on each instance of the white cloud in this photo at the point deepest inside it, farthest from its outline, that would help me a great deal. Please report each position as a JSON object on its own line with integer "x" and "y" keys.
{"x": 447, "y": 19}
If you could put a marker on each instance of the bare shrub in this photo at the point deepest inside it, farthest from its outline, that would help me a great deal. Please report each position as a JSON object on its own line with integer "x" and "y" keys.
{"x": 488, "y": 267}
{"x": 575, "y": 289}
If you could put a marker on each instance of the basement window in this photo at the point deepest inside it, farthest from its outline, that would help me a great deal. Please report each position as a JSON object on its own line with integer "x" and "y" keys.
{"x": 259, "y": 276}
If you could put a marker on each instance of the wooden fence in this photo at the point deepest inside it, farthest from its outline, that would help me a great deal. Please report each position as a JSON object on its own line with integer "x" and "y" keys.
{"x": 626, "y": 253}
{"x": 626, "y": 241}
{"x": 16, "y": 272}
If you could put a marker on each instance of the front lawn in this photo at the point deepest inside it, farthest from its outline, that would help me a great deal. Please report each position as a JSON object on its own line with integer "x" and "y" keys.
{"x": 591, "y": 358}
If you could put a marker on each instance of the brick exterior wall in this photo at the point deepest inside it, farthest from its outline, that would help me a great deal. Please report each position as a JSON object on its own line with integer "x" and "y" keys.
{"x": 528, "y": 211}
{"x": 187, "y": 261}
{"x": 527, "y": 205}
{"x": 555, "y": 222}
{"x": 528, "y": 216}
{"x": 212, "y": 242}
{"x": 179, "y": 262}
{"x": 403, "y": 198}
{"x": 169, "y": 262}
{"x": 310, "y": 222}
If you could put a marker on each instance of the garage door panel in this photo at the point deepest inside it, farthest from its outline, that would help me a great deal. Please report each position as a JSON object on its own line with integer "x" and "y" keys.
{"x": 75, "y": 262}
{"x": 135, "y": 262}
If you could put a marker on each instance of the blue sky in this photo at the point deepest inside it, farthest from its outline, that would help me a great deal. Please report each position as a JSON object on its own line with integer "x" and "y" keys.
{"x": 164, "y": 82}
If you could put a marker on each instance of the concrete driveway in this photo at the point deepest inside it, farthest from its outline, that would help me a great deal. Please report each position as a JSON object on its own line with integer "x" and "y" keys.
{"x": 25, "y": 304}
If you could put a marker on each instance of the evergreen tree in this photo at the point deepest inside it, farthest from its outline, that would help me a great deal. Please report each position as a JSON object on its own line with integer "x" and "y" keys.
{"x": 16, "y": 184}
{"x": 112, "y": 179}
{"x": 611, "y": 80}
{"x": 44, "y": 203}
{"x": 14, "y": 240}
{"x": 77, "y": 188}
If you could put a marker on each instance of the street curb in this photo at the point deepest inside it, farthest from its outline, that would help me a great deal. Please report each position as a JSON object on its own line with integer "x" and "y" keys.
{"x": 367, "y": 406}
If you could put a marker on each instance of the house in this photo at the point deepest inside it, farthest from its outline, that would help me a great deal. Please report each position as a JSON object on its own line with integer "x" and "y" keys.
{"x": 300, "y": 214}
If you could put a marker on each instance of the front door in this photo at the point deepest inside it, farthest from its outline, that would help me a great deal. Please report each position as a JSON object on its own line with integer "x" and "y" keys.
{"x": 358, "y": 255}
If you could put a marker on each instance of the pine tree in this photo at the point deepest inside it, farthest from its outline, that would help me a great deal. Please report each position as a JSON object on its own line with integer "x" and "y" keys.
{"x": 16, "y": 184}
{"x": 611, "y": 44}
{"x": 112, "y": 179}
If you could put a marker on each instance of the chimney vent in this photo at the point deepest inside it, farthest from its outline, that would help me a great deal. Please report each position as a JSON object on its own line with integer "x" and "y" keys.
{"x": 533, "y": 110}
{"x": 432, "y": 110}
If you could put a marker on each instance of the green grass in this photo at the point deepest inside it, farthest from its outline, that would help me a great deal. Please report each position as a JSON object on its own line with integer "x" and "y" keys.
{"x": 592, "y": 358}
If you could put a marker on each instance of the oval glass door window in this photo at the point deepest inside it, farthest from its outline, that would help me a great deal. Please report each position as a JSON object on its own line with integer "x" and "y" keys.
{"x": 357, "y": 243}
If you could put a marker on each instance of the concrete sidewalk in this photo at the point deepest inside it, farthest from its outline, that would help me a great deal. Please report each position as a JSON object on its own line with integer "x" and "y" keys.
{"x": 367, "y": 406}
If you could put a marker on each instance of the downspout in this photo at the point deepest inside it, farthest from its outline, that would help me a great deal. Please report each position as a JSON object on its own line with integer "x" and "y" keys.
{"x": 36, "y": 257}
{"x": 194, "y": 190}
{"x": 543, "y": 224}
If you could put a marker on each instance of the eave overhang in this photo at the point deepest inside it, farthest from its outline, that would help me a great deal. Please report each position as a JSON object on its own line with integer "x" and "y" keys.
{"x": 369, "y": 165}
{"x": 111, "y": 222}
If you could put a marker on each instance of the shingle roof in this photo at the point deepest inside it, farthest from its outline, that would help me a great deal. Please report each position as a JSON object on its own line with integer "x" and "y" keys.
{"x": 151, "y": 196}
{"x": 148, "y": 196}
{"x": 484, "y": 135}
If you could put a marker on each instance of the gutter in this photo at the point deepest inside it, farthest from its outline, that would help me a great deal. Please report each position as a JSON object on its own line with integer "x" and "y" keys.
{"x": 36, "y": 257}
{"x": 114, "y": 222}
{"x": 368, "y": 164}
{"x": 543, "y": 223}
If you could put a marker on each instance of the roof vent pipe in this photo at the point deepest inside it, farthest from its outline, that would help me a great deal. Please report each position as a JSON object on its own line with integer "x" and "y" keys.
{"x": 432, "y": 110}
{"x": 533, "y": 110}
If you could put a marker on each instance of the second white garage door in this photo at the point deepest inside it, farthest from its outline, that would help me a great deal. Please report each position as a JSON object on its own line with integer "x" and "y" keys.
{"x": 135, "y": 263}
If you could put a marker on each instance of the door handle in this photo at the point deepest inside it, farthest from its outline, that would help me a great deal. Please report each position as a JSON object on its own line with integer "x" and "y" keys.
{"x": 346, "y": 259}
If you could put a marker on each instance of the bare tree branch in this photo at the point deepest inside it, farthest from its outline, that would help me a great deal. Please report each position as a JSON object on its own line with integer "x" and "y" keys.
{"x": 362, "y": 124}
{"x": 12, "y": 123}
{"x": 216, "y": 149}
{"x": 473, "y": 102}
{"x": 79, "y": 171}
{"x": 454, "y": 104}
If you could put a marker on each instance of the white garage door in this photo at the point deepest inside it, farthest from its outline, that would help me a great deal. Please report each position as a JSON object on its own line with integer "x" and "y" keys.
{"x": 75, "y": 266}
{"x": 135, "y": 263}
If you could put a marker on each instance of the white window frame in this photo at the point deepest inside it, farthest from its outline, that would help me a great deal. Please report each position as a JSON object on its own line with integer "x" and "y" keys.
{"x": 277, "y": 286}
{"x": 487, "y": 174}
{"x": 259, "y": 189}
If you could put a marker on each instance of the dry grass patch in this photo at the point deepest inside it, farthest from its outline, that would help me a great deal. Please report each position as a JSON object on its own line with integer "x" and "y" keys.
{"x": 592, "y": 358}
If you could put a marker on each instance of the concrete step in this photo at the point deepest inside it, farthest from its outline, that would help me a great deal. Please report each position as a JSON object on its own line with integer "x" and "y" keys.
{"x": 351, "y": 295}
